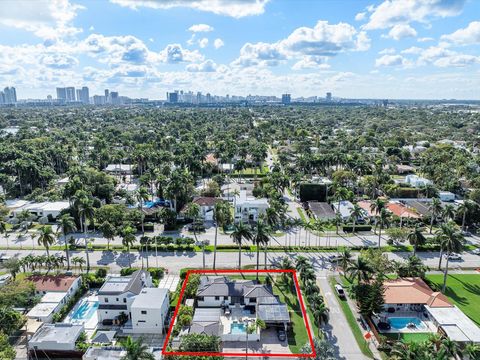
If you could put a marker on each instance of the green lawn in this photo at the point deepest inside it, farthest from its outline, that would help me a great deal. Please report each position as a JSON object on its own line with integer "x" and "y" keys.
{"x": 408, "y": 337}
{"x": 302, "y": 214}
{"x": 463, "y": 290}
{"x": 352, "y": 322}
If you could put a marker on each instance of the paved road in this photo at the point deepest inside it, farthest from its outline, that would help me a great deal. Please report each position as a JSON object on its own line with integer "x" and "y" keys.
{"x": 337, "y": 330}
{"x": 176, "y": 261}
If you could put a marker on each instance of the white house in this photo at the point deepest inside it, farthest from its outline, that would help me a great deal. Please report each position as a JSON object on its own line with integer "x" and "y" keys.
{"x": 118, "y": 292}
{"x": 207, "y": 206}
{"x": 119, "y": 169}
{"x": 54, "y": 338}
{"x": 51, "y": 303}
{"x": 42, "y": 209}
{"x": 345, "y": 210}
{"x": 249, "y": 208}
{"x": 148, "y": 312}
{"x": 104, "y": 353}
{"x": 417, "y": 181}
{"x": 446, "y": 196}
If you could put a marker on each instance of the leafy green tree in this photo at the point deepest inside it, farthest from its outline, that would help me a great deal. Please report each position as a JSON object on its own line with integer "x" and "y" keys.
{"x": 46, "y": 237}
{"x": 261, "y": 236}
{"x": 222, "y": 216}
{"x": 108, "y": 232}
{"x": 200, "y": 343}
{"x": 136, "y": 350}
{"x": 7, "y": 352}
{"x": 416, "y": 237}
{"x": 360, "y": 270}
{"x": 128, "y": 239}
{"x": 435, "y": 209}
{"x": 323, "y": 349}
{"x": 67, "y": 224}
{"x": 13, "y": 266}
{"x": 10, "y": 320}
{"x": 453, "y": 242}
{"x": 241, "y": 232}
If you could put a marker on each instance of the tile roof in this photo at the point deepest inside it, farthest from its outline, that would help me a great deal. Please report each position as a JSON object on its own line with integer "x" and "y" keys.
{"x": 402, "y": 211}
{"x": 412, "y": 291}
{"x": 206, "y": 201}
{"x": 52, "y": 282}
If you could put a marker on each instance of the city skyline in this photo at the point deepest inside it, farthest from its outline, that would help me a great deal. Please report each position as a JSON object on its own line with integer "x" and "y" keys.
{"x": 420, "y": 49}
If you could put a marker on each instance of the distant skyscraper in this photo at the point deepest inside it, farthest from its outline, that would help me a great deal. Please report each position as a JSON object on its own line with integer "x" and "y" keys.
{"x": 79, "y": 94}
{"x": 114, "y": 98}
{"x": 2, "y": 97}
{"x": 286, "y": 98}
{"x": 209, "y": 98}
{"x": 9, "y": 95}
{"x": 70, "y": 91}
{"x": 329, "y": 96}
{"x": 107, "y": 96}
{"x": 61, "y": 94}
{"x": 172, "y": 97}
{"x": 98, "y": 100}
{"x": 84, "y": 95}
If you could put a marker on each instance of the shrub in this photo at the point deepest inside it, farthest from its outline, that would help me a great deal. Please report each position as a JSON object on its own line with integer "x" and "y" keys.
{"x": 101, "y": 273}
{"x": 156, "y": 273}
{"x": 349, "y": 228}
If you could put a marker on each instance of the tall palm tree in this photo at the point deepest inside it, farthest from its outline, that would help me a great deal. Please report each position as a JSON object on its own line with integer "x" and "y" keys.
{"x": 463, "y": 210}
{"x": 261, "y": 235}
{"x": 453, "y": 241}
{"x": 449, "y": 212}
{"x": 67, "y": 224}
{"x": 319, "y": 227}
{"x": 80, "y": 261}
{"x": 128, "y": 239}
{"x": 193, "y": 212}
{"x": 320, "y": 313}
{"x": 286, "y": 264}
{"x": 345, "y": 258}
{"x": 142, "y": 195}
{"x": 416, "y": 237}
{"x": 46, "y": 237}
{"x": 376, "y": 207}
{"x": 435, "y": 209}
{"x": 221, "y": 216}
{"x": 136, "y": 350}
{"x": 108, "y": 232}
{"x": 360, "y": 269}
{"x": 301, "y": 263}
{"x": 383, "y": 219}
{"x": 241, "y": 232}
{"x": 86, "y": 211}
{"x": 355, "y": 213}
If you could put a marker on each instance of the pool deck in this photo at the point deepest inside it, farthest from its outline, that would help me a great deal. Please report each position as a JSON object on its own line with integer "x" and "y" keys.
{"x": 429, "y": 326}
{"x": 89, "y": 324}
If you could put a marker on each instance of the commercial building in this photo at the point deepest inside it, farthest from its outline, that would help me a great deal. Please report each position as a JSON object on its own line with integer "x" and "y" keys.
{"x": 286, "y": 99}
{"x": 329, "y": 96}
{"x": 8, "y": 96}
{"x": 172, "y": 97}
{"x": 70, "y": 92}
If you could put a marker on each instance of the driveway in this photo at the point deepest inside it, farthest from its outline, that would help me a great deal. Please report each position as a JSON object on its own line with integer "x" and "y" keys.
{"x": 268, "y": 344}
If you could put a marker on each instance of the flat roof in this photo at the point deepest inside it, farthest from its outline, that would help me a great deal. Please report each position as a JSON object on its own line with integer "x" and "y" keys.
{"x": 274, "y": 313}
{"x": 53, "y": 297}
{"x": 150, "y": 298}
{"x": 42, "y": 310}
{"x": 321, "y": 209}
{"x": 207, "y": 314}
{"x": 59, "y": 333}
{"x": 105, "y": 353}
{"x": 457, "y": 325}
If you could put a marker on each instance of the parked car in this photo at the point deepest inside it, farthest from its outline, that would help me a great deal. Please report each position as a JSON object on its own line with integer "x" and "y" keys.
{"x": 476, "y": 251}
{"x": 340, "y": 291}
{"x": 454, "y": 256}
{"x": 4, "y": 258}
{"x": 282, "y": 336}
{"x": 467, "y": 233}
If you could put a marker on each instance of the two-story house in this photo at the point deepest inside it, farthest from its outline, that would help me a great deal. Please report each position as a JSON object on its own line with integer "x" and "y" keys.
{"x": 248, "y": 208}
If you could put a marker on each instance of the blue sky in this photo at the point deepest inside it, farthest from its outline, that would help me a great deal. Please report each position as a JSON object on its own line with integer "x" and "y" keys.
{"x": 144, "y": 48}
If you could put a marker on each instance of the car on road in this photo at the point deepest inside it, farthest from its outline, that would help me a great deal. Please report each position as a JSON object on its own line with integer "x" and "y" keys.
{"x": 476, "y": 251}
{"x": 282, "y": 335}
{"x": 339, "y": 290}
{"x": 4, "y": 258}
{"x": 467, "y": 233}
{"x": 454, "y": 256}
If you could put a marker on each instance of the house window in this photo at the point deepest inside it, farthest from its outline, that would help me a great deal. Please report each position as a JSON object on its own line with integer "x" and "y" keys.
{"x": 225, "y": 298}
{"x": 106, "y": 300}
{"x": 252, "y": 300}
{"x": 217, "y": 297}
{"x": 200, "y": 298}
{"x": 143, "y": 312}
{"x": 124, "y": 300}
{"x": 117, "y": 299}
{"x": 141, "y": 321}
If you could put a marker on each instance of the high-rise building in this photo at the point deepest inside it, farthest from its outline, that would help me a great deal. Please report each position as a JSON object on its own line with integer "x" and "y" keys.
{"x": 209, "y": 98}
{"x": 70, "y": 92}
{"x": 329, "y": 96}
{"x": 286, "y": 98}
{"x": 2, "y": 98}
{"x": 114, "y": 99}
{"x": 172, "y": 97}
{"x": 61, "y": 94}
{"x": 84, "y": 95}
{"x": 107, "y": 96}
{"x": 98, "y": 100}
{"x": 79, "y": 94}
{"x": 9, "y": 96}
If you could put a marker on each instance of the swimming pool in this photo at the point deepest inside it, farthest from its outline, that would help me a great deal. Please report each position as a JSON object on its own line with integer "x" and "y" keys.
{"x": 238, "y": 328}
{"x": 400, "y": 323}
{"x": 85, "y": 310}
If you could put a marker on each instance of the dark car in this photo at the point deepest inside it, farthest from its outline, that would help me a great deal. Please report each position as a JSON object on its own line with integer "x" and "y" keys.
{"x": 282, "y": 335}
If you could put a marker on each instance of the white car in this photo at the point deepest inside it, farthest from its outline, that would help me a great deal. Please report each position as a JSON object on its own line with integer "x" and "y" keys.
{"x": 476, "y": 251}
{"x": 340, "y": 291}
{"x": 454, "y": 256}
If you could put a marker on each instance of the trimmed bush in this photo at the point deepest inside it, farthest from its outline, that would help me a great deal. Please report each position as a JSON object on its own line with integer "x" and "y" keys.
{"x": 349, "y": 228}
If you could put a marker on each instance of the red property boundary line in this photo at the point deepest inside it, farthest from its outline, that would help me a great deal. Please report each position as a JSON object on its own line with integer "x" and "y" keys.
{"x": 230, "y": 271}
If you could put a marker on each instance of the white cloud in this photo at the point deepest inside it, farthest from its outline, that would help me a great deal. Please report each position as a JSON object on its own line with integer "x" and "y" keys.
{"x": 47, "y": 20}
{"x": 260, "y": 54}
{"x": 174, "y": 53}
{"x": 425, "y": 39}
{"x": 412, "y": 50}
{"x": 203, "y": 42}
{"x": 311, "y": 62}
{"x": 218, "y": 43}
{"x": 360, "y": 16}
{"x": 387, "y": 51}
{"x": 200, "y": 28}
{"x": 400, "y": 31}
{"x": 390, "y": 60}
{"x": 466, "y": 36}
{"x": 460, "y": 60}
{"x": 59, "y": 61}
{"x": 233, "y": 8}
{"x": 393, "y": 12}
{"x": 206, "y": 66}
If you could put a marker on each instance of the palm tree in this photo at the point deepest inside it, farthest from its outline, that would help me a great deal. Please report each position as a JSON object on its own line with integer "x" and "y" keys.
{"x": 319, "y": 227}
{"x": 221, "y": 216}
{"x": 320, "y": 313}
{"x": 108, "y": 232}
{"x": 472, "y": 351}
{"x": 86, "y": 211}
{"x": 286, "y": 264}
{"x": 376, "y": 207}
{"x": 301, "y": 263}
{"x": 46, "y": 237}
{"x": 453, "y": 243}
{"x": 463, "y": 209}
{"x": 193, "y": 212}
{"x": 142, "y": 195}
{"x": 360, "y": 269}
{"x": 416, "y": 237}
{"x": 67, "y": 224}
{"x": 261, "y": 235}
{"x": 128, "y": 239}
{"x": 449, "y": 212}
{"x": 355, "y": 213}
{"x": 241, "y": 232}
{"x": 435, "y": 209}
{"x": 77, "y": 260}
{"x": 345, "y": 258}
{"x": 136, "y": 350}
{"x": 383, "y": 218}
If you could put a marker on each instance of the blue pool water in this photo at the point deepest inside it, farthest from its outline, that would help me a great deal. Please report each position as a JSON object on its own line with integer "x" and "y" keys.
{"x": 85, "y": 311}
{"x": 401, "y": 323}
{"x": 238, "y": 328}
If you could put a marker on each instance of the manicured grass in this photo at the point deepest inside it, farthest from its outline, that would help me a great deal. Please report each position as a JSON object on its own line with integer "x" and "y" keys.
{"x": 463, "y": 290}
{"x": 352, "y": 322}
{"x": 302, "y": 215}
{"x": 408, "y": 337}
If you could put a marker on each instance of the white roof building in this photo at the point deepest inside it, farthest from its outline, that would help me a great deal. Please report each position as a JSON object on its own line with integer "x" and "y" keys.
{"x": 345, "y": 208}
{"x": 119, "y": 168}
{"x": 104, "y": 353}
{"x": 417, "y": 181}
{"x": 42, "y": 209}
{"x": 249, "y": 208}
{"x": 51, "y": 302}
{"x": 55, "y": 337}
{"x": 456, "y": 325}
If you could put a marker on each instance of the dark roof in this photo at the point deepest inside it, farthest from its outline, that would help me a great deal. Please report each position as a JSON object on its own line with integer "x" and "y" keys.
{"x": 321, "y": 210}
{"x": 136, "y": 283}
{"x": 206, "y": 321}
{"x": 206, "y": 201}
{"x": 223, "y": 286}
{"x": 104, "y": 337}
{"x": 421, "y": 207}
{"x": 274, "y": 313}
